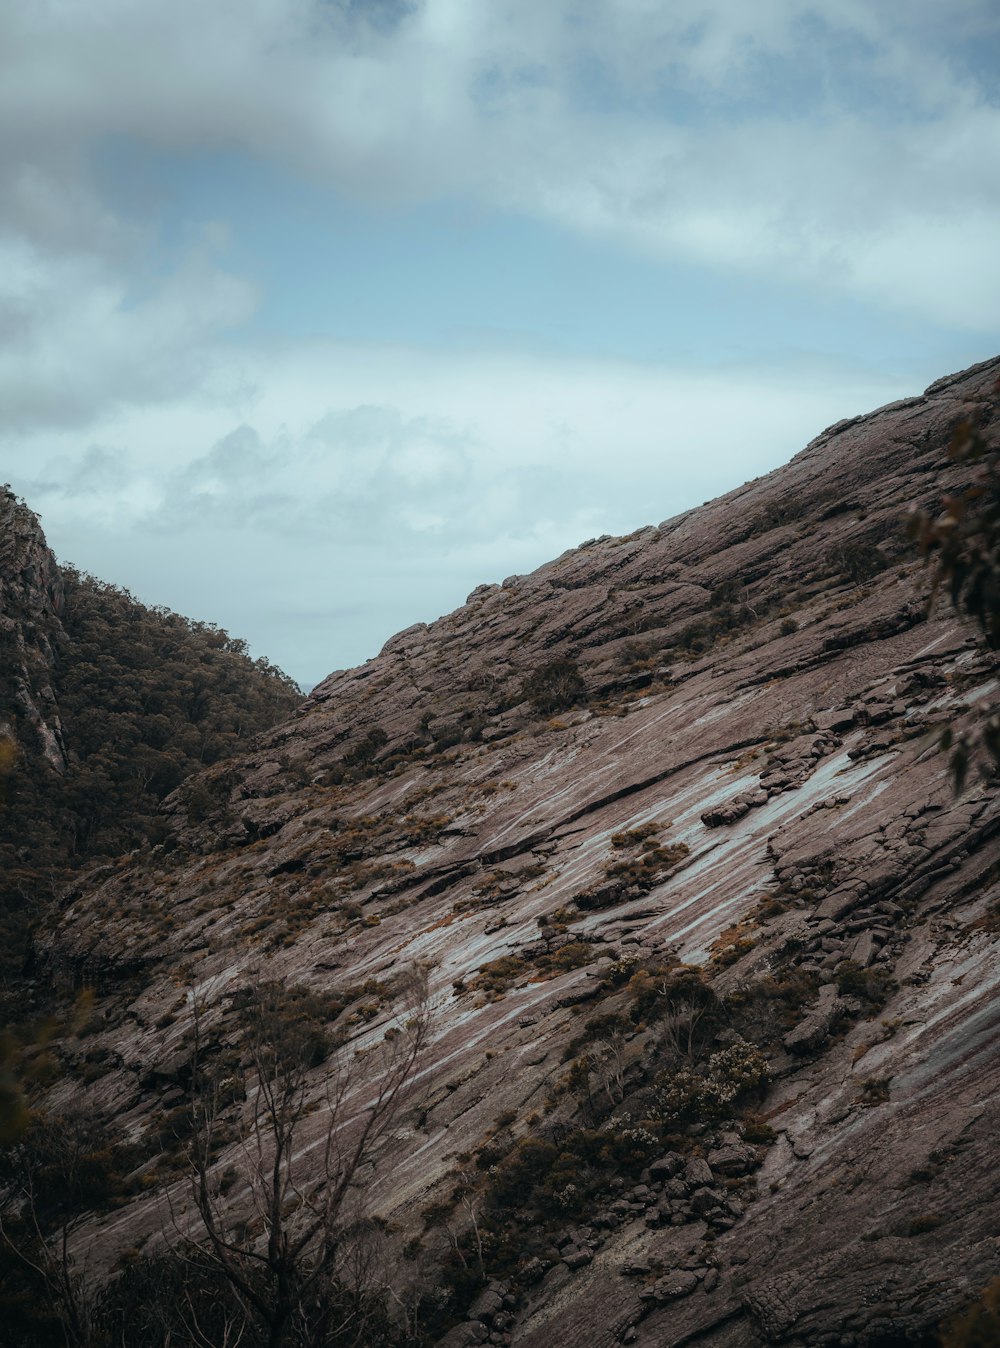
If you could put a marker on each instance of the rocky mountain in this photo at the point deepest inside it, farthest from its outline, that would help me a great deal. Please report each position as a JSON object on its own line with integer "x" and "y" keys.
{"x": 711, "y": 941}
{"x": 106, "y": 706}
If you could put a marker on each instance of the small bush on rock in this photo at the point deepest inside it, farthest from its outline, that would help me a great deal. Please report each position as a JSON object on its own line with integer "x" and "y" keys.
{"x": 555, "y": 686}
{"x": 691, "y": 1095}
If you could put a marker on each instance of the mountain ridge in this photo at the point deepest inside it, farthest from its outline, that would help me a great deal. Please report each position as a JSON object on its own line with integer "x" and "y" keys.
{"x": 710, "y": 743}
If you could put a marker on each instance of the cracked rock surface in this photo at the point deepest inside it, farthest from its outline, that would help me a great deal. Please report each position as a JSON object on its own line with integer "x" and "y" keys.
{"x": 763, "y": 695}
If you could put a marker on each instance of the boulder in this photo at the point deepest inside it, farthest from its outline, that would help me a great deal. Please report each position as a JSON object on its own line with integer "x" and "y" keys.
{"x": 732, "y": 1160}
{"x": 680, "y": 1282}
{"x": 486, "y": 1304}
{"x": 704, "y": 1200}
{"x": 729, "y": 813}
{"x": 811, "y": 1032}
{"x": 697, "y": 1172}
{"x": 665, "y": 1167}
{"x": 577, "y": 1258}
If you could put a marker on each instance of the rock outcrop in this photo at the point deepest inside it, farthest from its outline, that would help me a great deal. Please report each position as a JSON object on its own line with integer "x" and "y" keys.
{"x": 749, "y": 780}
{"x": 31, "y": 595}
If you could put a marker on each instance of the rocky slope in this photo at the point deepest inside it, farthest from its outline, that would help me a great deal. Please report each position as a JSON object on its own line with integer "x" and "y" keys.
{"x": 31, "y": 594}
{"x": 712, "y": 740}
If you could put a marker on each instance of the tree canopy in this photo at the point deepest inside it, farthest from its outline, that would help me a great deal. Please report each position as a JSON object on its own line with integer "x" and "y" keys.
{"x": 145, "y": 697}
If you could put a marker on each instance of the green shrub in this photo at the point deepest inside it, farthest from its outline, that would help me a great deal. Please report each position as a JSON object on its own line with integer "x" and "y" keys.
{"x": 732, "y": 1074}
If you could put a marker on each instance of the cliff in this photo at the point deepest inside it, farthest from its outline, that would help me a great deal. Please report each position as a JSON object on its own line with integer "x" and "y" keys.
{"x": 31, "y": 598}
{"x": 711, "y": 742}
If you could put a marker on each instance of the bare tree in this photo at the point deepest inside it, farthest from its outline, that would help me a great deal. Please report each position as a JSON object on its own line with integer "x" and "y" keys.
{"x": 611, "y": 1053}
{"x": 290, "y": 1238}
{"x": 52, "y": 1176}
{"x": 171, "y": 1301}
{"x": 683, "y": 1002}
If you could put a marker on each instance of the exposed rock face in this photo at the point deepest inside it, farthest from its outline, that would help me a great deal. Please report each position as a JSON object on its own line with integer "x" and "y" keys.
{"x": 765, "y": 692}
{"x": 30, "y": 603}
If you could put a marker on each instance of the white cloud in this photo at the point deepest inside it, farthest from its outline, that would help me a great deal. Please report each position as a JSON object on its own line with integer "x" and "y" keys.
{"x": 792, "y": 136}
{"x": 73, "y": 342}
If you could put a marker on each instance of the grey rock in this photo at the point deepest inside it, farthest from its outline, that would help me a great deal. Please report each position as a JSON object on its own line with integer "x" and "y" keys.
{"x": 697, "y": 1172}
{"x": 863, "y": 950}
{"x": 811, "y": 1032}
{"x": 665, "y": 1167}
{"x": 531, "y": 1272}
{"x": 678, "y": 1283}
{"x": 486, "y": 1304}
{"x": 704, "y": 1201}
{"x": 577, "y": 1258}
{"x": 732, "y": 1160}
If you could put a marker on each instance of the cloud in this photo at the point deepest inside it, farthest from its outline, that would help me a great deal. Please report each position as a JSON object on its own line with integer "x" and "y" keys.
{"x": 75, "y": 343}
{"x": 793, "y": 137}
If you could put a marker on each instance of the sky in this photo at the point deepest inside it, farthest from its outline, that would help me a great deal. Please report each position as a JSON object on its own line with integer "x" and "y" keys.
{"x": 316, "y": 314}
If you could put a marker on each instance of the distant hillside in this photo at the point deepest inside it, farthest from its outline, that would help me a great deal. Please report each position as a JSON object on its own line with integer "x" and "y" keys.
{"x": 105, "y": 707}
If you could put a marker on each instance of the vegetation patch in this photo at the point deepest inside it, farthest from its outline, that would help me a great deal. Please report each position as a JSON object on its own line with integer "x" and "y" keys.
{"x": 641, "y": 864}
{"x": 555, "y": 686}
{"x": 532, "y": 965}
{"x": 146, "y": 698}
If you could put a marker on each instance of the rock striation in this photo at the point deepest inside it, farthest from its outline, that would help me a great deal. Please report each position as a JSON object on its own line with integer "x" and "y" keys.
{"x": 714, "y": 740}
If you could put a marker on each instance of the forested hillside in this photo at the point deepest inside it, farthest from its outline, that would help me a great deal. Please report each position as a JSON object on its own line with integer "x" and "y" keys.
{"x": 106, "y": 705}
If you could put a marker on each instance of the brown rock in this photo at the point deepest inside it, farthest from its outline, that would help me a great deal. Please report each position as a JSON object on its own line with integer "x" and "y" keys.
{"x": 356, "y": 881}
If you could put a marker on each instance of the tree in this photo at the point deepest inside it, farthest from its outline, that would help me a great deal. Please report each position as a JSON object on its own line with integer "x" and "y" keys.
{"x": 281, "y": 1210}
{"x": 58, "y": 1172}
{"x": 678, "y": 999}
{"x": 144, "y": 698}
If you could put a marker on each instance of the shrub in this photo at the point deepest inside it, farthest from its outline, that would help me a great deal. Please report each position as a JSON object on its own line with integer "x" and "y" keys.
{"x": 767, "y": 1008}
{"x": 872, "y": 987}
{"x": 776, "y": 514}
{"x": 555, "y": 686}
{"x": 634, "y": 837}
{"x": 732, "y": 1074}
{"x": 732, "y": 944}
{"x": 678, "y": 999}
{"x": 516, "y": 1177}
{"x": 572, "y": 956}
{"x": 857, "y": 561}
{"x": 496, "y": 976}
{"x": 874, "y": 1091}
{"x": 631, "y": 876}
